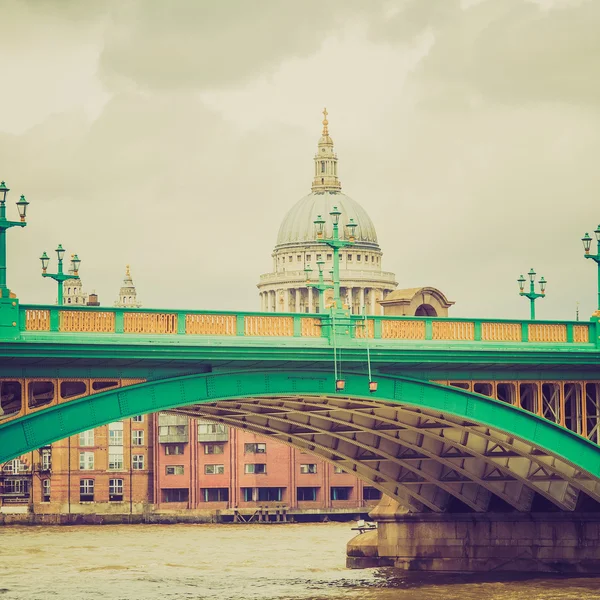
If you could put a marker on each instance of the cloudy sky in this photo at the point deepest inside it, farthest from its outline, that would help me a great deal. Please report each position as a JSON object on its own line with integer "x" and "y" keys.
{"x": 174, "y": 136}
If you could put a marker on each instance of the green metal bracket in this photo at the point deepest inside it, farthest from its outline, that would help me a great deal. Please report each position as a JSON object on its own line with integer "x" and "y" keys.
{"x": 428, "y": 329}
{"x": 181, "y": 323}
{"x": 119, "y": 325}
{"x": 54, "y": 319}
{"x": 297, "y": 326}
{"x": 9, "y": 319}
{"x": 240, "y": 328}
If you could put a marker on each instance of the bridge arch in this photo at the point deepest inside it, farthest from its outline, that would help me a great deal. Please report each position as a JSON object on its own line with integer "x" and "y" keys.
{"x": 421, "y": 443}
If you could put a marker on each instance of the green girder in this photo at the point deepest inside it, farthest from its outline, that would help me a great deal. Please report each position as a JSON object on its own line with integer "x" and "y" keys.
{"x": 46, "y": 426}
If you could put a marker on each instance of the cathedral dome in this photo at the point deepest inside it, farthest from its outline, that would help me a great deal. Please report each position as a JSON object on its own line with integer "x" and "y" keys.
{"x": 298, "y": 225}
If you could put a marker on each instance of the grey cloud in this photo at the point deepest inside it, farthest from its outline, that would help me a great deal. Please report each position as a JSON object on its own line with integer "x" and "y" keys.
{"x": 508, "y": 51}
{"x": 186, "y": 44}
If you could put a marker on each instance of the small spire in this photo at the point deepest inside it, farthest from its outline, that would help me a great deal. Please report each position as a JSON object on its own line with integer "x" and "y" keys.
{"x": 325, "y": 122}
{"x": 127, "y": 273}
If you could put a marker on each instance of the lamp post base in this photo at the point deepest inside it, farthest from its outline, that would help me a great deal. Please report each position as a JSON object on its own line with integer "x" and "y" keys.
{"x": 9, "y": 319}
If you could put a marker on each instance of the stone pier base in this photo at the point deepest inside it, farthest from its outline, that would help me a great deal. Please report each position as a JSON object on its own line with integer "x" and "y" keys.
{"x": 459, "y": 543}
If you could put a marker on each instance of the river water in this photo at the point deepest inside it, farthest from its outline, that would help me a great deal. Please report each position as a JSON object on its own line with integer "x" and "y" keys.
{"x": 230, "y": 562}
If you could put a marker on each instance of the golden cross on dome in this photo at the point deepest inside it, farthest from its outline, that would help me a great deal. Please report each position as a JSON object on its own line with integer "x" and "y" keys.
{"x": 325, "y": 122}
{"x": 127, "y": 273}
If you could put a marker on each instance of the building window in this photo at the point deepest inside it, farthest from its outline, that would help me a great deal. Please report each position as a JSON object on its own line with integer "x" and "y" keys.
{"x": 206, "y": 428}
{"x": 137, "y": 437}
{"x": 319, "y": 256}
{"x": 349, "y": 257}
{"x": 358, "y": 257}
{"x": 371, "y": 493}
{"x": 115, "y": 437}
{"x": 214, "y": 469}
{"x": 176, "y": 495}
{"x": 290, "y": 258}
{"x": 308, "y": 256}
{"x": 299, "y": 258}
{"x": 86, "y": 438}
{"x": 45, "y": 490}
{"x": 214, "y": 494}
{"x": 256, "y": 469}
{"x": 173, "y": 449}
{"x": 306, "y": 494}
{"x": 214, "y": 448}
{"x": 86, "y": 490}
{"x": 322, "y": 166}
{"x": 255, "y": 448}
{"x": 86, "y": 461}
{"x": 174, "y": 469}
{"x": 138, "y": 419}
{"x": 14, "y": 467}
{"x": 337, "y": 470}
{"x": 262, "y": 494}
{"x": 308, "y": 469}
{"x": 166, "y": 430}
{"x": 46, "y": 457}
{"x": 372, "y": 259}
{"x": 115, "y": 461}
{"x": 138, "y": 462}
{"x": 341, "y": 493}
{"x": 329, "y": 256}
{"x": 17, "y": 487}
{"x": 270, "y": 494}
{"x": 115, "y": 490}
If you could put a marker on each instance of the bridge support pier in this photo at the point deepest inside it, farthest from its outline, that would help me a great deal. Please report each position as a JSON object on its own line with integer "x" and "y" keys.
{"x": 537, "y": 542}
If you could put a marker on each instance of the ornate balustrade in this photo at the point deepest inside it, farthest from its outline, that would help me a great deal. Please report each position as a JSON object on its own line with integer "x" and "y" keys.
{"x": 92, "y": 320}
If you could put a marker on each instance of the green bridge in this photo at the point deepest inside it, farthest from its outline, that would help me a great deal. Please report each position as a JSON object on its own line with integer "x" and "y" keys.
{"x": 483, "y": 434}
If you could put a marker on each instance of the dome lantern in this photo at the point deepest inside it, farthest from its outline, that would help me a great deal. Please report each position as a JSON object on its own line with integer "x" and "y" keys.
{"x": 326, "y": 176}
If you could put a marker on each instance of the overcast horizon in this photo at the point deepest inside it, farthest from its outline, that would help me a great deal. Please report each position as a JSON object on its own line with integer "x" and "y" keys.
{"x": 174, "y": 137}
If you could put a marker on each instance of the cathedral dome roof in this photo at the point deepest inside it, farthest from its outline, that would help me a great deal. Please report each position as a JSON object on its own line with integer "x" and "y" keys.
{"x": 298, "y": 225}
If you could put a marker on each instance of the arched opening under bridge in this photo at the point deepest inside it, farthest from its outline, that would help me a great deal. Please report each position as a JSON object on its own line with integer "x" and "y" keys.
{"x": 430, "y": 447}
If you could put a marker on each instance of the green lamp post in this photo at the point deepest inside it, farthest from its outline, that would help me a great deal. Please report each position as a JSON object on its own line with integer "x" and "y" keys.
{"x": 4, "y": 225}
{"x": 587, "y": 242}
{"x": 335, "y": 243}
{"x": 59, "y": 276}
{"x": 532, "y": 294}
{"x": 321, "y": 286}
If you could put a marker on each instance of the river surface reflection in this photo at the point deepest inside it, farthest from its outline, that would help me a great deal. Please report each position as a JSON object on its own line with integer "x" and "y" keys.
{"x": 227, "y": 562}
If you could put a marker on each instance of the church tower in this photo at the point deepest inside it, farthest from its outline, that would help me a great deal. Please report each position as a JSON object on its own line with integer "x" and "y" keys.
{"x": 73, "y": 290}
{"x": 127, "y": 293}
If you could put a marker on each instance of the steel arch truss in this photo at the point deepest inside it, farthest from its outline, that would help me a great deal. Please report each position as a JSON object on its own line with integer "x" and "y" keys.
{"x": 418, "y": 442}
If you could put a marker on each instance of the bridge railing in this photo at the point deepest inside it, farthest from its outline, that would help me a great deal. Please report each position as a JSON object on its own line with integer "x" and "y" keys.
{"x": 91, "y": 319}
{"x": 87, "y": 319}
{"x": 474, "y": 330}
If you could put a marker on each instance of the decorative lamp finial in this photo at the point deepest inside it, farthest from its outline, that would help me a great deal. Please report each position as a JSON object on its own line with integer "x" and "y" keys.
{"x": 325, "y": 122}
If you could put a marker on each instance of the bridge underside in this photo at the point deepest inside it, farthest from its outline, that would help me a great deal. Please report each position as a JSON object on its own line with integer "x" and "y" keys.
{"x": 424, "y": 459}
{"x": 432, "y": 448}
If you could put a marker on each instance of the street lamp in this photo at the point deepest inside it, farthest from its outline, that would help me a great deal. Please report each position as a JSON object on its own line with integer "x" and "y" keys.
{"x": 531, "y": 294}
{"x": 587, "y": 242}
{"x": 59, "y": 276}
{"x": 5, "y": 224}
{"x": 335, "y": 243}
{"x": 321, "y": 286}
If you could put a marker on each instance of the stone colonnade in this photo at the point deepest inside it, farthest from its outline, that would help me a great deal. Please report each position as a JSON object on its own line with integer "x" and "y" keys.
{"x": 306, "y": 300}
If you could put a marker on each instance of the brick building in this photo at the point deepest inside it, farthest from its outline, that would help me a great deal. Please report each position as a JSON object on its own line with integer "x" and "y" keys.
{"x": 173, "y": 464}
